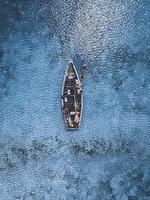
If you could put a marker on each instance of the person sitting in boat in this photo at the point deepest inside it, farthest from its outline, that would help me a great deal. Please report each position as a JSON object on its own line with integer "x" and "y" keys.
{"x": 78, "y": 113}
{"x": 70, "y": 76}
{"x": 65, "y": 111}
{"x": 77, "y": 85}
{"x": 78, "y": 120}
{"x": 70, "y": 122}
{"x": 77, "y": 117}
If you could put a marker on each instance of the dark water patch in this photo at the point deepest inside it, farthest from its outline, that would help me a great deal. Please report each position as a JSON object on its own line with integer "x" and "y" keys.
{"x": 120, "y": 55}
{"x": 6, "y": 75}
{"x": 132, "y": 184}
{"x": 21, "y": 153}
{"x": 101, "y": 147}
{"x": 63, "y": 13}
{"x": 11, "y": 13}
{"x": 14, "y": 155}
{"x": 124, "y": 61}
{"x": 126, "y": 55}
{"x": 2, "y": 52}
{"x": 137, "y": 106}
{"x": 38, "y": 150}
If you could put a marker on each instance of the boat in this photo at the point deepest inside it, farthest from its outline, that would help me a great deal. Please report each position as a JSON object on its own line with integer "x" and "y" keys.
{"x": 72, "y": 98}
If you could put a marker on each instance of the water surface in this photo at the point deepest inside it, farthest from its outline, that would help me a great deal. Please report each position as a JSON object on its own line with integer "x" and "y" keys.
{"x": 107, "y": 158}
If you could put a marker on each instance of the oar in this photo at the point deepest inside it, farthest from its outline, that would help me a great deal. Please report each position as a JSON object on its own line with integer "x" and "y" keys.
{"x": 83, "y": 72}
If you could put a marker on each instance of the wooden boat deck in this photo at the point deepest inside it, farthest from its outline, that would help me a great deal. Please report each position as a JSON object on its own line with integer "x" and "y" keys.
{"x": 72, "y": 98}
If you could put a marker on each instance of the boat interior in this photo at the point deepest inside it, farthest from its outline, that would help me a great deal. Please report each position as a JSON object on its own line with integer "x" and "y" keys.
{"x": 71, "y": 98}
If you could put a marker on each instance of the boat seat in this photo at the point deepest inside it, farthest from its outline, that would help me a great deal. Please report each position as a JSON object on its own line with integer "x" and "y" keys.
{"x": 68, "y": 92}
{"x": 72, "y": 113}
{"x": 65, "y": 99}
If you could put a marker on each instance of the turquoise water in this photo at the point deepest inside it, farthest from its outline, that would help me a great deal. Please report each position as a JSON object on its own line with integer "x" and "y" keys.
{"x": 107, "y": 158}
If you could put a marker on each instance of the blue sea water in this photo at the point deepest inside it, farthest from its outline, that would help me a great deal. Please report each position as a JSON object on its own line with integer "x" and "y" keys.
{"x": 108, "y": 157}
